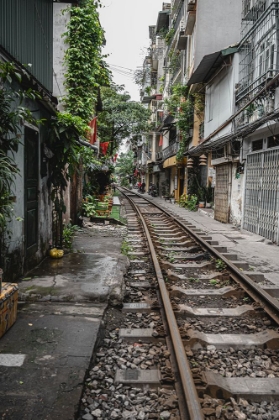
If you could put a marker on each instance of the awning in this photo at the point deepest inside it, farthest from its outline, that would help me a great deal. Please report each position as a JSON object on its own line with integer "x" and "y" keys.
{"x": 173, "y": 162}
{"x": 245, "y": 131}
{"x": 208, "y": 66}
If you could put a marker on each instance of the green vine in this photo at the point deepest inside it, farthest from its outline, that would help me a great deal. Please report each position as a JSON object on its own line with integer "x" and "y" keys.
{"x": 65, "y": 151}
{"x": 86, "y": 69}
{"x": 169, "y": 35}
{"x": 181, "y": 105}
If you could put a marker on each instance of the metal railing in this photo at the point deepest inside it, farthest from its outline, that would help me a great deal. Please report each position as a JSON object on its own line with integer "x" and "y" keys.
{"x": 170, "y": 150}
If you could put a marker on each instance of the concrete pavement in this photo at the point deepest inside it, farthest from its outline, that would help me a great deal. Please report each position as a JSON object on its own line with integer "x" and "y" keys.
{"x": 45, "y": 355}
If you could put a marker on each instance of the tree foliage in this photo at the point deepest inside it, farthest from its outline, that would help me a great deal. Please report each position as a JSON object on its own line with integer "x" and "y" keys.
{"x": 125, "y": 167}
{"x": 120, "y": 118}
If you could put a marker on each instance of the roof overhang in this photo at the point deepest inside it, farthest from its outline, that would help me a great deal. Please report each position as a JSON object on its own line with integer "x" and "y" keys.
{"x": 208, "y": 66}
{"x": 245, "y": 131}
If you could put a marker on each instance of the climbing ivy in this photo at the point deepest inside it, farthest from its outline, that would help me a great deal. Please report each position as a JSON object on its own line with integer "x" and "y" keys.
{"x": 86, "y": 70}
{"x": 180, "y": 104}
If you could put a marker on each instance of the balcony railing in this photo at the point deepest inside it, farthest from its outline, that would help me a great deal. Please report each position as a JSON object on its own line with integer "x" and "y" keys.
{"x": 170, "y": 150}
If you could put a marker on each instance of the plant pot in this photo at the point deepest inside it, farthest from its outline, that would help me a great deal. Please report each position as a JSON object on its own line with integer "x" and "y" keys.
{"x": 208, "y": 205}
{"x": 201, "y": 204}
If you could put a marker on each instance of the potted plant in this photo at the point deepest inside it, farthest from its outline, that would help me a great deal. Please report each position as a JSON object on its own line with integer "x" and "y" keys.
{"x": 201, "y": 197}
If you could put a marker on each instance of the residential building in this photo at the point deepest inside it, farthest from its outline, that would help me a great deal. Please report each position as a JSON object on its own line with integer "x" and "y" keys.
{"x": 26, "y": 39}
{"x": 241, "y": 127}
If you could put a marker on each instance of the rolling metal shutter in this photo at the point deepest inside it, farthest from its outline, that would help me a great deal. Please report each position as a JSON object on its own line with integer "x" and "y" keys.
{"x": 261, "y": 202}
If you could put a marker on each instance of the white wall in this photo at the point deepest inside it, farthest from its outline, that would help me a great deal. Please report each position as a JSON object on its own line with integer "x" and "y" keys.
{"x": 237, "y": 192}
{"x": 220, "y": 98}
{"x": 218, "y": 25}
{"x": 59, "y": 47}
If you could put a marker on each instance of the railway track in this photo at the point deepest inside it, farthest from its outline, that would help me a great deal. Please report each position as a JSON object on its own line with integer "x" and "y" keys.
{"x": 204, "y": 335}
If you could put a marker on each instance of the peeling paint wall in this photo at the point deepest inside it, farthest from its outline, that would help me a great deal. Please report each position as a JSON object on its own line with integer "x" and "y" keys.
{"x": 60, "y": 21}
{"x": 236, "y": 197}
{"x": 15, "y": 261}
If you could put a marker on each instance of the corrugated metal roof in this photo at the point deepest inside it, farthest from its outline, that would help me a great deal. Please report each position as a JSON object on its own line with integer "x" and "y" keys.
{"x": 26, "y": 33}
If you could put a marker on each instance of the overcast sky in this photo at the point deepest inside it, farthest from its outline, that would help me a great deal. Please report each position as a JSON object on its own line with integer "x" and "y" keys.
{"x": 126, "y": 25}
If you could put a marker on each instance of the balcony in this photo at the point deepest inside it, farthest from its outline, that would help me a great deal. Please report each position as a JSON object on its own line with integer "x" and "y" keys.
{"x": 170, "y": 150}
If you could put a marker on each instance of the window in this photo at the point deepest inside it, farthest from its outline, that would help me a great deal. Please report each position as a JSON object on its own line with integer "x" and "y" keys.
{"x": 218, "y": 153}
{"x": 257, "y": 145}
{"x": 266, "y": 57}
{"x": 273, "y": 141}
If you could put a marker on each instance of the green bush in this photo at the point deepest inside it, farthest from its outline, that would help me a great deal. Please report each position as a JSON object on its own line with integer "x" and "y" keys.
{"x": 68, "y": 235}
{"x": 89, "y": 206}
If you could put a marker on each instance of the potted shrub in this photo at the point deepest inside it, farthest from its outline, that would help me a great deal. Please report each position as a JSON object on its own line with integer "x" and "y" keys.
{"x": 201, "y": 197}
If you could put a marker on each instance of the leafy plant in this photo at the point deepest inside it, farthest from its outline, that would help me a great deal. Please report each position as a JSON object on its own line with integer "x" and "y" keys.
{"x": 89, "y": 205}
{"x": 126, "y": 248}
{"x": 189, "y": 202}
{"x": 169, "y": 35}
{"x": 68, "y": 235}
{"x": 193, "y": 279}
{"x": 220, "y": 265}
{"x": 213, "y": 281}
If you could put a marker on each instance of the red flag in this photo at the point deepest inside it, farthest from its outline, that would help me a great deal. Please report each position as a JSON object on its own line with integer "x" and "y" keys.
{"x": 161, "y": 140}
{"x": 104, "y": 147}
{"x": 93, "y": 130}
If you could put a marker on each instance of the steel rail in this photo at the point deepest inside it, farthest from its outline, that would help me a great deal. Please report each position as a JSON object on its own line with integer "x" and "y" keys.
{"x": 189, "y": 388}
{"x": 268, "y": 303}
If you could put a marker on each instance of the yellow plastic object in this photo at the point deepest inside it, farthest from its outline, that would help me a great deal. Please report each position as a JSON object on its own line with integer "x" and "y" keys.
{"x": 56, "y": 253}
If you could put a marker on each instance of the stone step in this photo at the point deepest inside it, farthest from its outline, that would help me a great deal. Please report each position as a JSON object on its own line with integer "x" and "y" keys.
{"x": 252, "y": 389}
{"x": 221, "y": 249}
{"x": 272, "y": 290}
{"x": 241, "y": 265}
{"x": 230, "y": 256}
{"x": 212, "y": 243}
{"x": 257, "y": 277}
{"x": 206, "y": 238}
